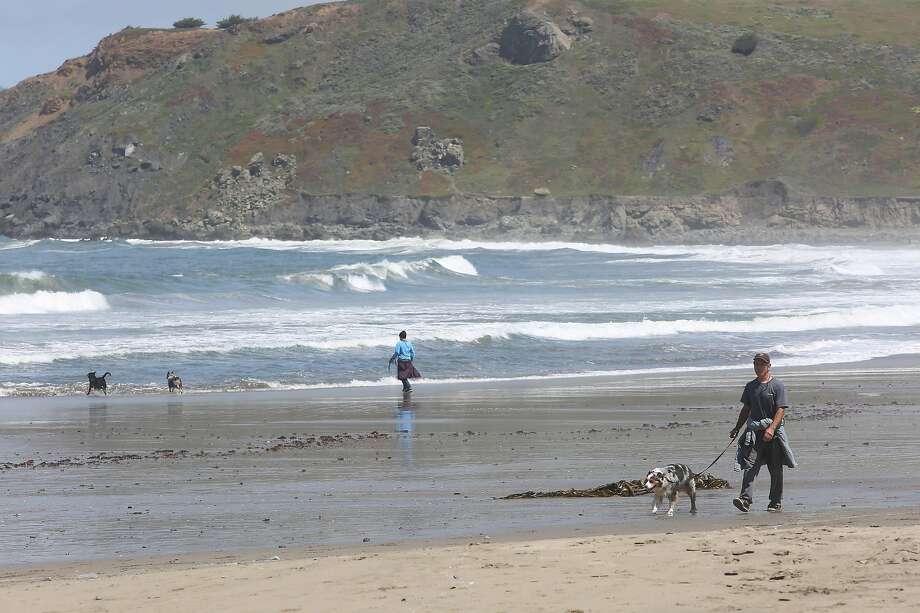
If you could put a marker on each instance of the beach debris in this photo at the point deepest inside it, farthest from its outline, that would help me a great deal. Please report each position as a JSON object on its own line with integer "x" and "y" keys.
{"x": 705, "y": 481}
{"x": 281, "y": 443}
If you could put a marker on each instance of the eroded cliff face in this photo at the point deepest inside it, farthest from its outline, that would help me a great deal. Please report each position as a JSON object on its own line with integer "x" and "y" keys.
{"x": 476, "y": 118}
{"x": 749, "y": 215}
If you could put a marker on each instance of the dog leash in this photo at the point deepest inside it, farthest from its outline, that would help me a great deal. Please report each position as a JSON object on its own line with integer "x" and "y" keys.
{"x": 713, "y": 463}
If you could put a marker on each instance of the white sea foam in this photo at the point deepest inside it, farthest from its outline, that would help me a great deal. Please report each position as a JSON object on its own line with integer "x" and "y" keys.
{"x": 863, "y": 317}
{"x": 225, "y": 334}
{"x": 457, "y": 264}
{"x": 30, "y": 275}
{"x": 364, "y": 284}
{"x": 844, "y": 350}
{"x": 52, "y": 302}
{"x": 371, "y": 277}
{"x": 14, "y": 244}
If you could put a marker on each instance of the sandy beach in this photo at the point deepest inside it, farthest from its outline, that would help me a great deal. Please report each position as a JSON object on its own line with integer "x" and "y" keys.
{"x": 849, "y": 563}
{"x": 366, "y": 498}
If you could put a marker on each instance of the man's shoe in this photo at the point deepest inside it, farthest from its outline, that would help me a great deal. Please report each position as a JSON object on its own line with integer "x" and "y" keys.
{"x": 742, "y": 504}
{"x": 775, "y": 507}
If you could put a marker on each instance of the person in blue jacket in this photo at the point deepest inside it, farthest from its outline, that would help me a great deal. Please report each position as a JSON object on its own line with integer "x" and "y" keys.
{"x": 403, "y": 356}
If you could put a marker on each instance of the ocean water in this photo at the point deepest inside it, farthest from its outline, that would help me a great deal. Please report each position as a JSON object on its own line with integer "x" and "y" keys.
{"x": 262, "y": 314}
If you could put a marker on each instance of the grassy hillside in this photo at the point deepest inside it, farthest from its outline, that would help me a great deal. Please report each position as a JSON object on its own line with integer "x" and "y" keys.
{"x": 651, "y": 100}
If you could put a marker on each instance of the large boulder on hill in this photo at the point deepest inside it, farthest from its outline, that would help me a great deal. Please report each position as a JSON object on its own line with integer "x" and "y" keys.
{"x": 530, "y": 38}
{"x": 745, "y": 44}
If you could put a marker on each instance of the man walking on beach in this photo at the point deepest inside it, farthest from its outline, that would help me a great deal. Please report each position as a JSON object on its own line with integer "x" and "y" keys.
{"x": 764, "y": 441}
{"x": 403, "y": 355}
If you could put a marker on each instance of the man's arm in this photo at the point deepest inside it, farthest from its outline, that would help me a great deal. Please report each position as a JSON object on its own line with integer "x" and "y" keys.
{"x": 777, "y": 420}
{"x": 742, "y": 417}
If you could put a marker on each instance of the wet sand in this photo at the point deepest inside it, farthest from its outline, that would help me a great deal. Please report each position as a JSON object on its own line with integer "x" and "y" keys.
{"x": 138, "y": 482}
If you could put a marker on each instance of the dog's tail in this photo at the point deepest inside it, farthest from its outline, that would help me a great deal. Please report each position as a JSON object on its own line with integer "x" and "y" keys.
{"x": 107, "y": 374}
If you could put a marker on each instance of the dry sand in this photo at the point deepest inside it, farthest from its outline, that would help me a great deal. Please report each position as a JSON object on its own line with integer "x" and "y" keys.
{"x": 850, "y": 563}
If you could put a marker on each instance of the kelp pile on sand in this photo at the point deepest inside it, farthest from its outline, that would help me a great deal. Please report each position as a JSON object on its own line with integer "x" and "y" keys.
{"x": 705, "y": 481}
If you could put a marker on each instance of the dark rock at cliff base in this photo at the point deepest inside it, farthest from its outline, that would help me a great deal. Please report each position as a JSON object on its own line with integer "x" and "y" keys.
{"x": 530, "y": 38}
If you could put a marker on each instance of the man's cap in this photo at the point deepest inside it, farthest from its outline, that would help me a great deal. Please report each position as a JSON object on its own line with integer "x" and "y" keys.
{"x": 763, "y": 357}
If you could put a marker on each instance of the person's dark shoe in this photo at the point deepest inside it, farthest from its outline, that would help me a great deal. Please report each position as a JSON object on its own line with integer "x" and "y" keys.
{"x": 742, "y": 504}
{"x": 775, "y": 507}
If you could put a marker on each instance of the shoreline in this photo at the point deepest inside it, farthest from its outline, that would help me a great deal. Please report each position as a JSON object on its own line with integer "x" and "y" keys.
{"x": 894, "y": 364}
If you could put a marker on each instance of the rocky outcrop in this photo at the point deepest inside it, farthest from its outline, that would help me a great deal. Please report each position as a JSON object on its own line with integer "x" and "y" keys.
{"x": 283, "y": 35}
{"x": 720, "y": 152}
{"x": 239, "y": 193}
{"x": 654, "y": 162}
{"x": 486, "y": 54}
{"x": 530, "y": 38}
{"x": 52, "y": 106}
{"x": 431, "y": 153}
{"x": 578, "y": 26}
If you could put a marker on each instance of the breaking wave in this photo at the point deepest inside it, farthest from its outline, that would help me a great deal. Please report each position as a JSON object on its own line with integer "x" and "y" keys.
{"x": 275, "y": 335}
{"x": 42, "y": 302}
{"x": 847, "y": 261}
{"x": 6, "y": 244}
{"x": 26, "y": 281}
{"x": 371, "y": 277}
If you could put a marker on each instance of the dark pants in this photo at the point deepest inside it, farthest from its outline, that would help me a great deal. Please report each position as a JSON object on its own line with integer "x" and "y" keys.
{"x": 771, "y": 455}
{"x": 406, "y": 386}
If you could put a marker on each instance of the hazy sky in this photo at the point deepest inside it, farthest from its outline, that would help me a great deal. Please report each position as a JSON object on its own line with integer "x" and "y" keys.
{"x": 36, "y": 36}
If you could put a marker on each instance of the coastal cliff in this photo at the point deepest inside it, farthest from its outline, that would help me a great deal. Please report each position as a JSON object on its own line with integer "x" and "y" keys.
{"x": 629, "y": 121}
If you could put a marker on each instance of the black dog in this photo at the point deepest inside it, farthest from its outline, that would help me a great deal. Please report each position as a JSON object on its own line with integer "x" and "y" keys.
{"x": 174, "y": 382}
{"x": 97, "y": 383}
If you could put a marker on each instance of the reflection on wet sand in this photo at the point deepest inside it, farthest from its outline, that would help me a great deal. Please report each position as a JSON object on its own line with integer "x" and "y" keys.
{"x": 98, "y": 418}
{"x": 174, "y": 415}
{"x": 405, "y": 427}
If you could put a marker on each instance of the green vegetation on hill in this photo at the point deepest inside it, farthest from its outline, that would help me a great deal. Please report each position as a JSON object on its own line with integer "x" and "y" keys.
{"x": 232, "y": 20}
{"x": 647, "y": 99}
{"x": 188, "y": 22}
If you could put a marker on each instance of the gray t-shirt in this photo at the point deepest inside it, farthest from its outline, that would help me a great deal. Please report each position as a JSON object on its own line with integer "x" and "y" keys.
{"x": 764, "y": 398}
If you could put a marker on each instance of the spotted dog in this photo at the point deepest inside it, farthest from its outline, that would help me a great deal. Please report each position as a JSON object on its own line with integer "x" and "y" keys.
{"x": 671, "y": 480}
